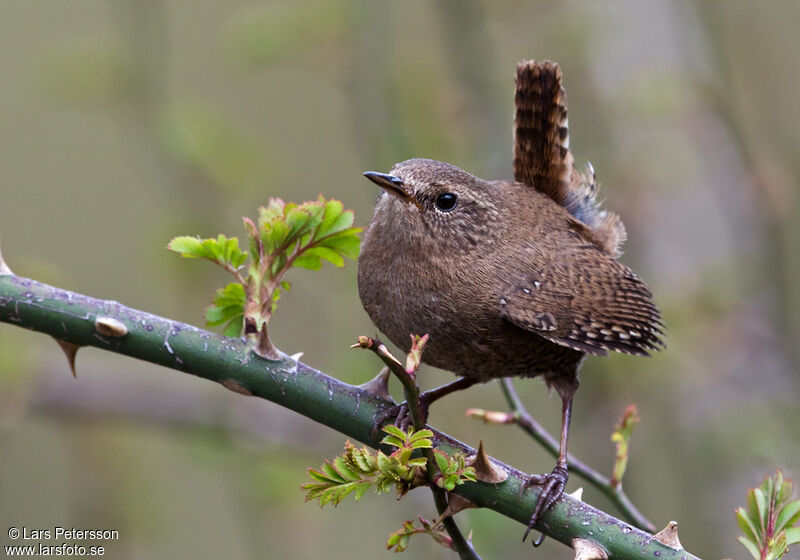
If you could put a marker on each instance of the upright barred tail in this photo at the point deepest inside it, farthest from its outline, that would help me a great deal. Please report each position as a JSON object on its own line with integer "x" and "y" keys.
{"x": 542, "y": 158}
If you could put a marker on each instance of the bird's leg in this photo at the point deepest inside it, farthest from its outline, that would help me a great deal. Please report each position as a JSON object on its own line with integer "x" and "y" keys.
{"x": 457, "y": 385}
{"x": 553, "y": 483}
{"x": 399, "y": 414}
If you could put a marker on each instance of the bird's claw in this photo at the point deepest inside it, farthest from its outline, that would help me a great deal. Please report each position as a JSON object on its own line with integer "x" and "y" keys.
{"x": 399, "y": 415}
{"x": 553, "y": 487}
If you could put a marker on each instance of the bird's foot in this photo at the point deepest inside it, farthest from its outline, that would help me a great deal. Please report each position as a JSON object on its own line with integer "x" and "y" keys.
{"x": 400, "y": 416}
{"x": 552, "y": 488}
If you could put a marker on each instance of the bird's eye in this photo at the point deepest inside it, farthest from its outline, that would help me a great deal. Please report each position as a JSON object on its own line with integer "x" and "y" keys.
{"x": 446, "y": 201}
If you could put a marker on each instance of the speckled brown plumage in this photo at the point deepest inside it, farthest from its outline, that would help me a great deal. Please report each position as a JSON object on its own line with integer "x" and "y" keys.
{"x": 507, "y": 283}
{"x": 508, "y": 278}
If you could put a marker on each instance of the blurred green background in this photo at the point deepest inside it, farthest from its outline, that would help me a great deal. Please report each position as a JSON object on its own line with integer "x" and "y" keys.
{"x": 124, "y": 123}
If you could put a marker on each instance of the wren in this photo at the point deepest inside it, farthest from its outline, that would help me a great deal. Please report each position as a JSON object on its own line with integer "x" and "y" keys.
{"x": 509, "y": 279}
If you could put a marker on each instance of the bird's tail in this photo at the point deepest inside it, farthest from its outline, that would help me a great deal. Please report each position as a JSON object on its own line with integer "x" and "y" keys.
{"x": 542, "y": 158}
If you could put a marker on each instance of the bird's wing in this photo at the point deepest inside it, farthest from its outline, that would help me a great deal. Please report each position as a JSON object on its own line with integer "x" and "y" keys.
{"x": 584, "y": 300}
{"x": 542, "y": 158}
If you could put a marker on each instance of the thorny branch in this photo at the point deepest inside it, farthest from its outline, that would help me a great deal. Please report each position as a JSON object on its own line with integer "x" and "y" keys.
{"x": 71, "y": 317}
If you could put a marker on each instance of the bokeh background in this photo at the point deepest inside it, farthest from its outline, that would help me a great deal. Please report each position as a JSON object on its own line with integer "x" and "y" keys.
{"x": 124, "y": 123}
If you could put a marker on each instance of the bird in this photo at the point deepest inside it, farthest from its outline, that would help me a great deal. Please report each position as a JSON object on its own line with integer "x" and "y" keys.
{"x": 508, "y": 278}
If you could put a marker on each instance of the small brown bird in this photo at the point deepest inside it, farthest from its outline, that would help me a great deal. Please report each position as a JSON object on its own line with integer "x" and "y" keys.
{"x": 508, "y": 278}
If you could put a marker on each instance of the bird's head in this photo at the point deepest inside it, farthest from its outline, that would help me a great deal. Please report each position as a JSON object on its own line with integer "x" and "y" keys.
{"x": 436, "y": 202}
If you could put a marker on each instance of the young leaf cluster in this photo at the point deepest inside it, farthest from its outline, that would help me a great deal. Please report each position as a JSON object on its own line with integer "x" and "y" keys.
{"x": 768, "y": 522}
{"x": 452, "y": 471}
{"x": 621, "y": 436}
{"x": 356, "y": 470}
{"x": 284, "y": 235}
{"x": 399, "y": 539}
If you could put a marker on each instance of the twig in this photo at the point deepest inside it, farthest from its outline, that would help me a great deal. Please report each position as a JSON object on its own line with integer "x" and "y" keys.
{"x": 461, "y": 545}
{"x": 525, "y": 421}
{"x": 71, "y": 316}
{"x": 411, "y": 391}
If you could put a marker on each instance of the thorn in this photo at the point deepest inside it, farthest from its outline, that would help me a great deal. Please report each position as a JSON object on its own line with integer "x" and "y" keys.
{"x": 669, "y": 536}
{"x": 486, "y": 469}
{"x": 588, "y": 550}
{"x": 296, "y": 356}
{"x": 4, "y": 267}
{"x": 70, "y": 350}
{"x": 264, "y": 348}
{"x": 110, "y": 327}
{"x": 379, "y": 385}
{"x": 383, "y": 351}
{"x": 456, "y": 503}
{"x": 577, "y": 494}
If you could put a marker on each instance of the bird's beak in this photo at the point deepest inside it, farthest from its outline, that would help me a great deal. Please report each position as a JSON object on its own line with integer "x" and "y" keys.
{"x": 391, "y": 184}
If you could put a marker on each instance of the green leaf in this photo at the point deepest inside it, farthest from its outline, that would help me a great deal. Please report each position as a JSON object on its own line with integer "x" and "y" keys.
{"x": 228, "y": 307}
{"x": 762, "y": 507}
{"x": 752, "y": 508}
{"x": 403, "y": 454}
{"x": 231, "y": 295}
{"x": 746, "y": 525}
{"x": 233, "y": 255}
{"x": 788, "y": 516}
{"x": 343, "y": 491}
{"x": 298, "y": 220}
{"x": 216, "y": 316}
{"x": 343, "y": 469}
{"x": 395, "y": 431}
{"x": 750, "y": 546}
{"x": 422, "y": 444}
{"x": 392, "y": 440}
{"x": 332, "y": 210}
{"x": 186, "y": 246}
{"x": 331, "y": 472}
{"x": 223, "y": 250}
{"x": 361, "y": 489}
{"x": 328, "y": 254}
{"x": 792, "y": 536}
{"x": 422, "y": 434}
{"x": 274, "y": 235}
{"x": 316, "y": 475}
{"x": 308, "y": 260}
{"x": 442, "y": 462}
{"x": 335, "y": 219}
{"x": 777, "y": 547}
{"x": 384, "y": 464}
{"x": 363, "y": 460}
{"x": 346, "y": 242}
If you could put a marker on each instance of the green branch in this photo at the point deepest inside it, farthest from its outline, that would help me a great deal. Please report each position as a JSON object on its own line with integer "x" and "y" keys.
{"x": 72, "y": 317}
